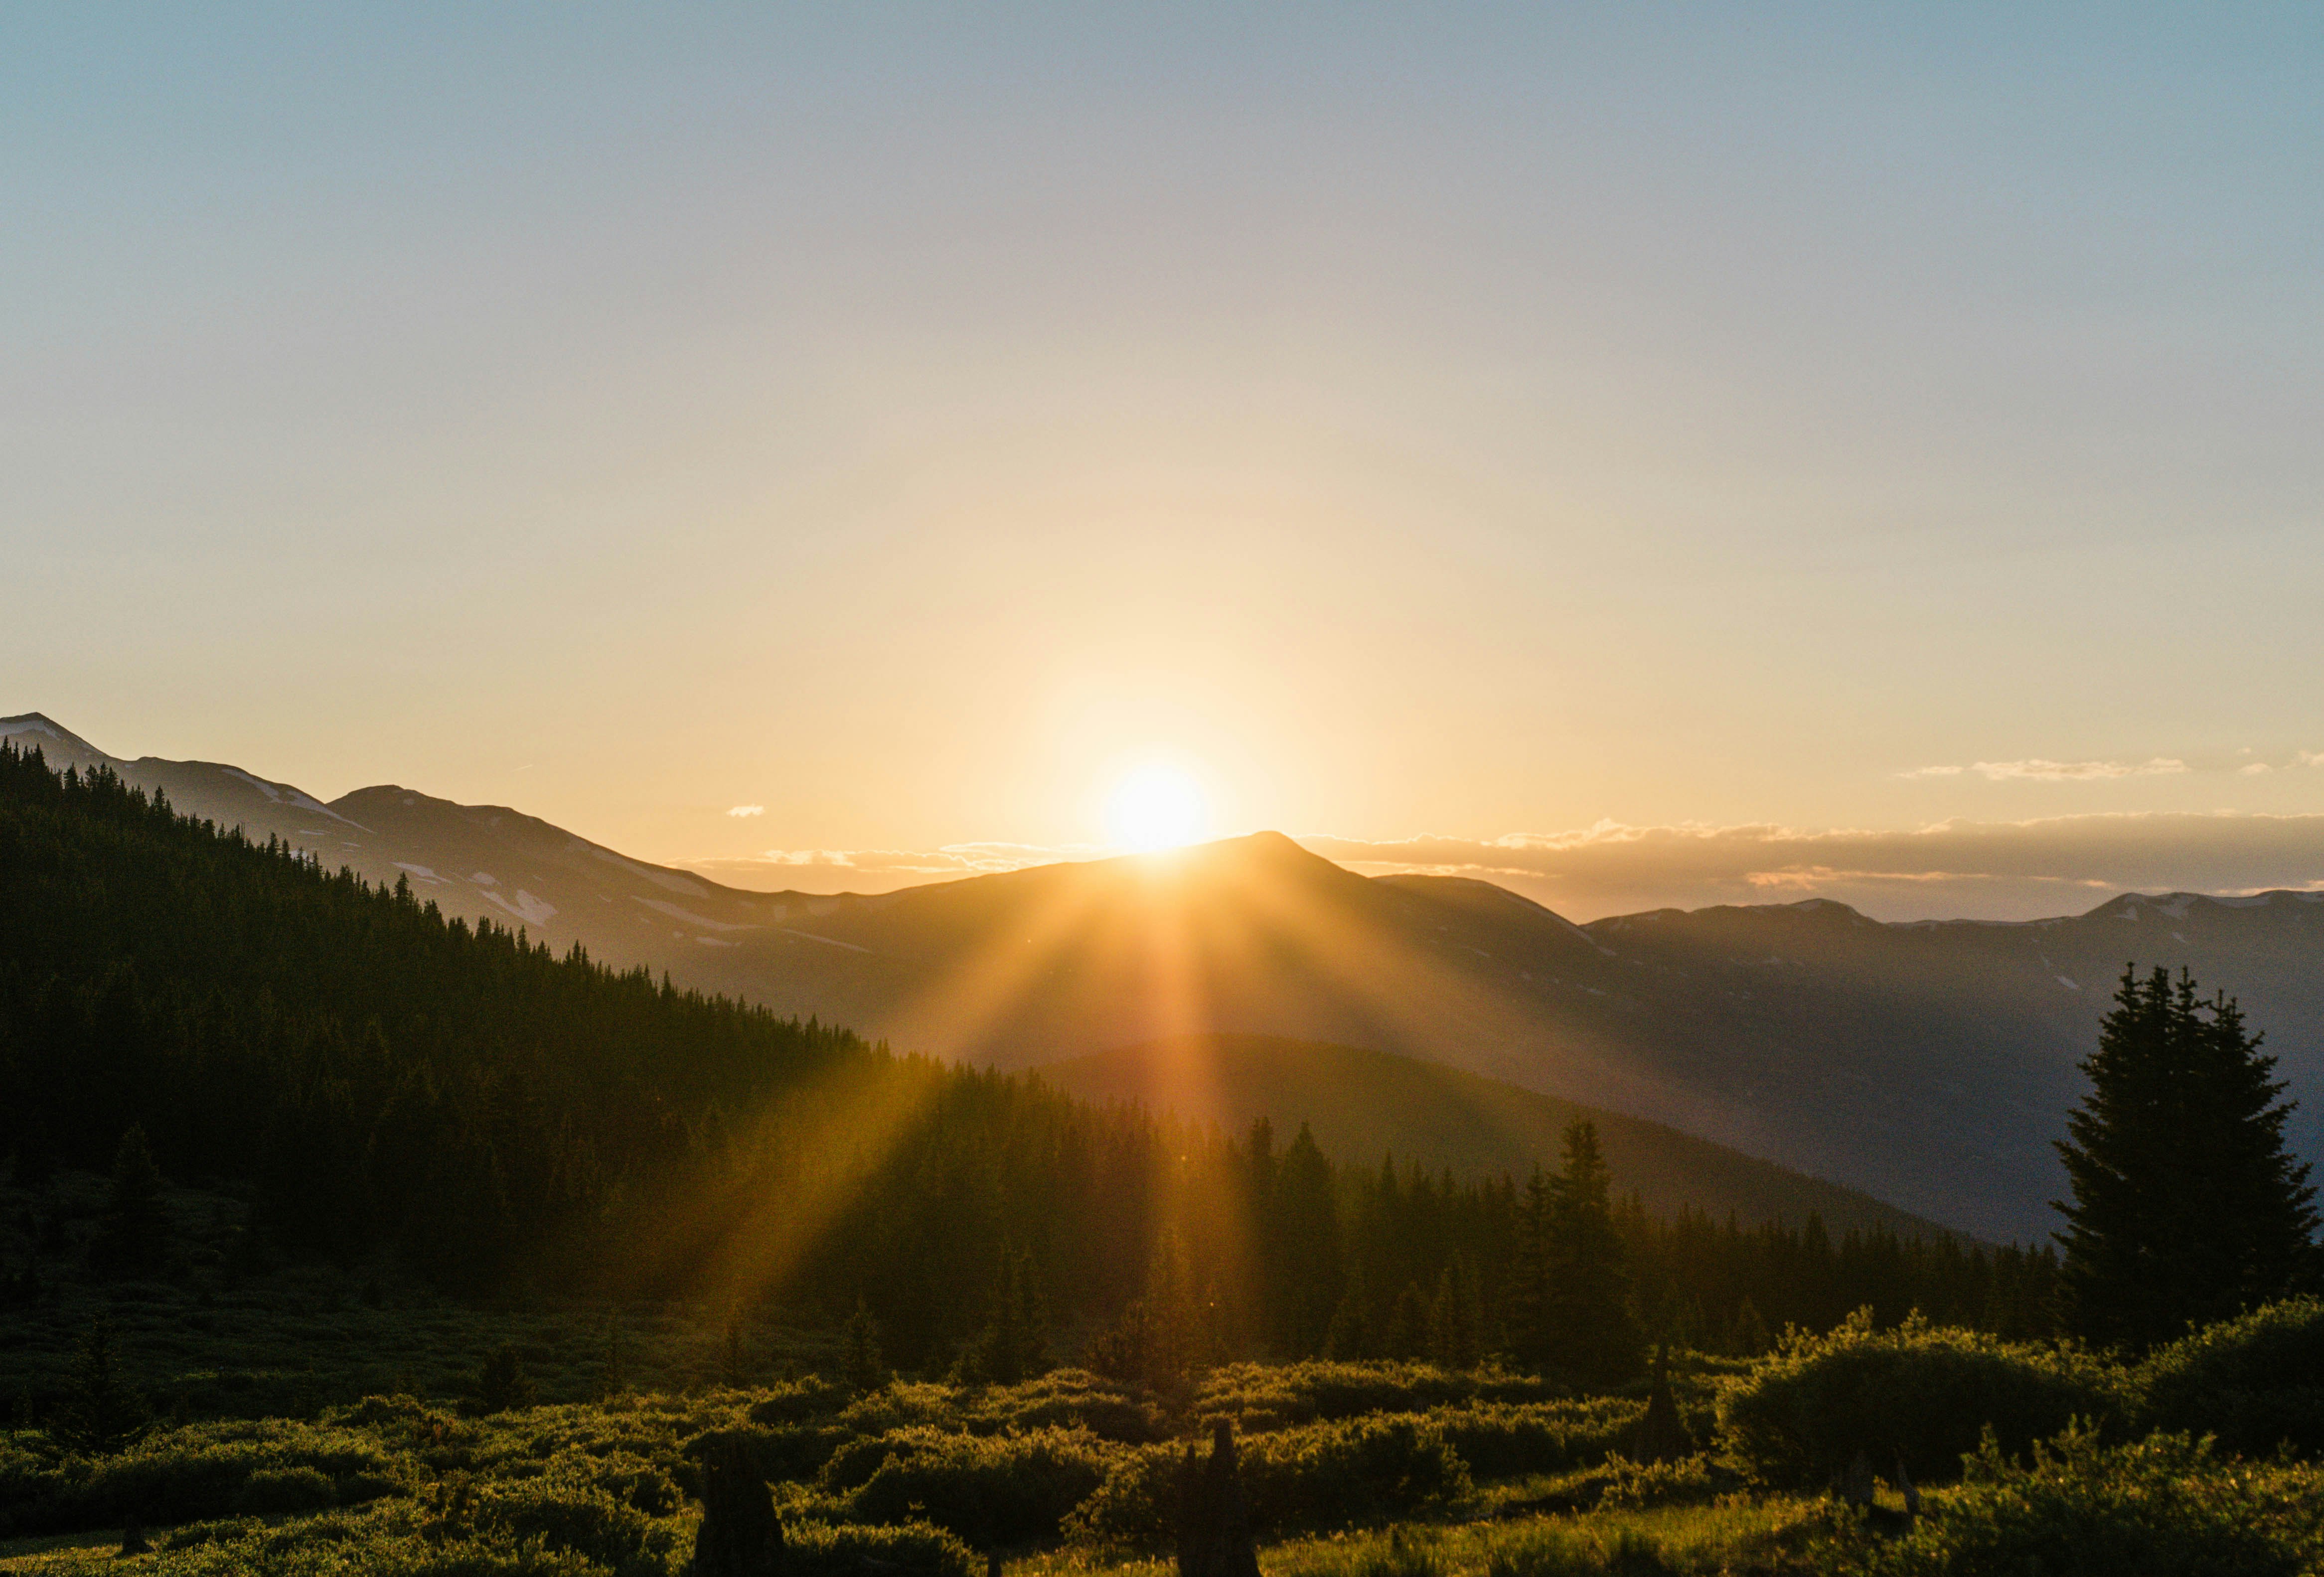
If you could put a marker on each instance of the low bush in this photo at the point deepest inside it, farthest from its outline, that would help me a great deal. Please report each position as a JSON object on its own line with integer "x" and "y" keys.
{"x": 914, "y": 1549}
{"x": 2254, "y": 1382}
{"x": 565, "y": 1514}
{"x": 1922, "y": 1392}
{"x": 988, "y": 1489}
{"x": 1502, "y": 1441}
{"x": 799, "y": 1402}
{"x": 1320, "y": 1475}
{"x": 199, "y": 1472}
{"x": 2163, "y": 1506}
{"x": 1070, "y": 1398}
{"x": 1257, "y": 1397}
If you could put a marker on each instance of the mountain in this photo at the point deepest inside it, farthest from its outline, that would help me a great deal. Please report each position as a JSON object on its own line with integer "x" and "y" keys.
{"x": 484, "y": 862}
{"x": 377, "y": 1081}
{"x": 1930, "y": 1065}
{"x": 1366, "y": 1106}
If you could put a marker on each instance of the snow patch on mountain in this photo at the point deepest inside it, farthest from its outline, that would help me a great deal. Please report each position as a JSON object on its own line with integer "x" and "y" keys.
{"x": 533, "y": 911}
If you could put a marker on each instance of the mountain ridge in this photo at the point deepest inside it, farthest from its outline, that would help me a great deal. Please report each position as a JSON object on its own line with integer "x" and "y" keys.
{"x": 1928, "y": 1063}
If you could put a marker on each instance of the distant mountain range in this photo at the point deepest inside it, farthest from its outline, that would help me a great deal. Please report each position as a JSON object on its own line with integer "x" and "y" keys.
{"x": 1929, "y": 1064}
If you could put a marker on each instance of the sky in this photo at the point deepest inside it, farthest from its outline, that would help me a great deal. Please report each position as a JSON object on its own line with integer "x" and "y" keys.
{"x": 1674, "y": 454}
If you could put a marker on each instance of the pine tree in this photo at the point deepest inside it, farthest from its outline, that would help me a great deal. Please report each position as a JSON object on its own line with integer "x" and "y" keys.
{"x": 1746, "y": 1335}
{"x": 1453, "y": 1338}
{"x": 1408, "y": 1325}
{"x": 864, "y": 1371}
{"x": 1349, "y": 1337}
{"x": 103, "y": 1413}
{"x": 1014, "y": 1345}
{"x": 1590, "y": 1332}
{"x": 613, "y": 1376}
{"x": 501, "y": 1381}
{"x": 2186, "y": 1207}
{"x": 133, "y": 1228}
{"x": 734, "y": 1352}
{"x": 1533, "y": 1275}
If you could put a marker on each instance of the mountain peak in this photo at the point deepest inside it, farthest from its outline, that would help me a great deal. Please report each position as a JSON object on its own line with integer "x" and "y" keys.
{"x": 28, "y": 729}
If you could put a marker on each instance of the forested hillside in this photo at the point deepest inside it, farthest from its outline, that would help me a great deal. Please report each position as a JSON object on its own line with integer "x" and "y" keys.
{"x": 1363, "y": 1103}
{"x": 381, "y": 1080}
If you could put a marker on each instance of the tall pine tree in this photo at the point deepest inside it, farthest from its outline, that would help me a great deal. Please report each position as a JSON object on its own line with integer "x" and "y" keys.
{"x": 2186, "y": 1205}
{"x": 1590, "y": 1331}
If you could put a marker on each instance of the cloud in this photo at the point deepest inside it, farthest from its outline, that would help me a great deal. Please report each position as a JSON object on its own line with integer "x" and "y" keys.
{"x": 747, "y": 810}
{"x": 1955, "y": 868}
{"x": 2253, "y": 770}
{"x": 2038, "y": 771}
{"x": 2312, "y": 757}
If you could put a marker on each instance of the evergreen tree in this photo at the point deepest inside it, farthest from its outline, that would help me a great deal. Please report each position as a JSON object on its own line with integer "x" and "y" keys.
{"x": 134, "y": 1228}
{"x": 864, "y": 1371}
{"x": 613, "y": 1376}
{"x": 1453, "y": 1339}
{"x": 1408, "y": 1325}
{"x": 501, "y": 1381}
{"x": 1348, "y": 1337}
{"x": 1590, "y": 1332}
{"x": 103, "y": 1413}
{"x": 1014, "y": 1345}
{"x": 2186, "y": 1205}
{"x": 1304, "y": 1249}
{"x": 1532, "y": 1276}
{"x": 734, "y": 1352}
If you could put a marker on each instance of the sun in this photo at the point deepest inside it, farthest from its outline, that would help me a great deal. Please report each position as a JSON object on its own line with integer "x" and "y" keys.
{"x": 1157, "y": 807}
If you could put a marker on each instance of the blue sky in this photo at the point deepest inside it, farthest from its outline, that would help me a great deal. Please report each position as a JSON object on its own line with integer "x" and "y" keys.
{"x": 1464, "y": 422}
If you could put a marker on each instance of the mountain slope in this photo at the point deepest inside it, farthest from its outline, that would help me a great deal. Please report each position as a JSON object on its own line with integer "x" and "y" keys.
{"x": 1364, "y": 1104}
{"x": 477, "y": 862}
{"x": 1929, "y": 1064}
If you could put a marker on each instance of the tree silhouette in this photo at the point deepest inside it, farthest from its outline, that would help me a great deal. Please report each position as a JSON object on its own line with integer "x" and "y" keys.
{"x": 2186, "y": 1205}
{"x": 103, "y": 1413}
{"x": 134, "y": 1226}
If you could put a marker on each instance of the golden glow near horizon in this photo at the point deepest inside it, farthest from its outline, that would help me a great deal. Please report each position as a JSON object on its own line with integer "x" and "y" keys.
{"x": 1158, "y": 806}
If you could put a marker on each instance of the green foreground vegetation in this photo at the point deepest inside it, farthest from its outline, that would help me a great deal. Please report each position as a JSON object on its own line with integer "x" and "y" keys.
{"x": 2197, "y": 1460}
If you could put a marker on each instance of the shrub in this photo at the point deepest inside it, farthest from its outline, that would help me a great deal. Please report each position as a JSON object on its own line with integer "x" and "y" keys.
{"x": 1692, "y": 1480}
{"x": 2163, "y": 1507}
{"x": 1257, "y": 1397}
{"x": 2254, "y": 1382}
{"x": 913, "y": 1549}
{"x": 798, "y": 1402}
{"x": 798, "y": 1452}
{"x": 581, "y": 1518}
{"x": 202, "y": 1470}
{"x": 1314, "y": 1476}
{"x": 1500, "y": 1441}
{"x": 272, "y": 1490}
{"x": 988, "y": 1489}
{"x": 1071, "y": 1399}
{"x": 1921, "y": 1391}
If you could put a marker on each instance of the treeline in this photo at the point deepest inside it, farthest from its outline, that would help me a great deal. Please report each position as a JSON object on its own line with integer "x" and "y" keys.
{"x": 383, "y": 1079}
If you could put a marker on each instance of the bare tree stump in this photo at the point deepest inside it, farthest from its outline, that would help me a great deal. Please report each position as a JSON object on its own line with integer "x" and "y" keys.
{"x": 1213, "y": 1520}
{"x": 740, "y": 1536}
